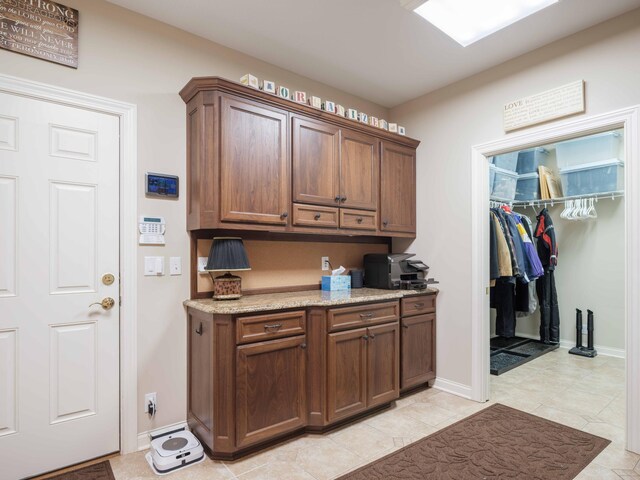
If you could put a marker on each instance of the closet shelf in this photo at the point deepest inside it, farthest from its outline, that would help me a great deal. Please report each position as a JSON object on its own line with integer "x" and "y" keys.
{"x": 548, "y": 201}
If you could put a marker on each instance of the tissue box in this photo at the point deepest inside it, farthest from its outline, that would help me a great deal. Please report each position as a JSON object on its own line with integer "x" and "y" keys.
{"x": 336, "y": 282}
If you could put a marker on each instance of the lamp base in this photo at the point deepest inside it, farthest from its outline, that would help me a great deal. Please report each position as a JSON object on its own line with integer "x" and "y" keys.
{"x": 227, "y": 287}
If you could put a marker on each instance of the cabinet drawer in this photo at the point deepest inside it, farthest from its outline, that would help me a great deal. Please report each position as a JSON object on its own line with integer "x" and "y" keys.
{"x": 357, "y": 219}
{"x": 314, "y": 216}
{"x": 418, "y": 305}
{"x": 264, "y": 327}
{"x": 360, "y": 315}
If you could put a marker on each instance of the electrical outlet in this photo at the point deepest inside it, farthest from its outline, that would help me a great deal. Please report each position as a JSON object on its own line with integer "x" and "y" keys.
{"x": 325, "y": 263}
{"x": 150, "y": 397}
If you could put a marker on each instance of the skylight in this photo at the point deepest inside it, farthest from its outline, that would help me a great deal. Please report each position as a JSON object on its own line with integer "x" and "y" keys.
{"x": 467, "y": 21}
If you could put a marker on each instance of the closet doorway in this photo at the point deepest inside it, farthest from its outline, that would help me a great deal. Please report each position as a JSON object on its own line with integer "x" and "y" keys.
{"x": 626, "y": 121}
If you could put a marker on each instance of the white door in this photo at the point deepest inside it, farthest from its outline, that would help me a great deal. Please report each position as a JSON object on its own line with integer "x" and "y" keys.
{"x": 59, "y": 356}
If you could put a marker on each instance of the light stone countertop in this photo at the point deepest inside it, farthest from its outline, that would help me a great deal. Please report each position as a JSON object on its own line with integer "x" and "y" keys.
{"x": 310, "y": 298}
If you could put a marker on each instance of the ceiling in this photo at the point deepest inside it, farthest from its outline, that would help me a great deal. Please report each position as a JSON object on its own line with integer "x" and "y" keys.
{"x": 376, "y": 49}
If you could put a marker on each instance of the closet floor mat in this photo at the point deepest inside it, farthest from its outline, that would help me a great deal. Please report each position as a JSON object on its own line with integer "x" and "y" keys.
{"x": 504, "y": 359}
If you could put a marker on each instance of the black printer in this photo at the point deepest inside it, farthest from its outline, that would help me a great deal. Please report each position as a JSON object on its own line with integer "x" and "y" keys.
{"x": 394, "y": 271}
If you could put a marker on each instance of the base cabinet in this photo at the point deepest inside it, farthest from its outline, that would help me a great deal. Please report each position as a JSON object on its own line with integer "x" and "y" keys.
{"x": 418, "y": 341}
{"x": 270, "y": 389}
{"x": 383, "y": 354}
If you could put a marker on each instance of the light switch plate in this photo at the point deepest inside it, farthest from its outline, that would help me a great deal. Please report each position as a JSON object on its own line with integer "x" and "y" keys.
{"x": 153, "y": 266}
{"x": 175, "y": 266}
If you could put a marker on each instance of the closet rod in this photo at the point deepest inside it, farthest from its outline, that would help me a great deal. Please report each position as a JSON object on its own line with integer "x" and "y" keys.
{"x": 551, "y": 201}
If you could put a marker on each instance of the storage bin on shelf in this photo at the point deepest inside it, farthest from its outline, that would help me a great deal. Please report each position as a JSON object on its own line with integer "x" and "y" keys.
{"x": 596, "y": 177}
{"x": 504, "y": 185}
{"x": 529, "y": 160}
{"x": 528, "y": 187}
{"x": 506, "y": 161}
{"x": 594, "y": 148}
{"x": 492, "y": 176}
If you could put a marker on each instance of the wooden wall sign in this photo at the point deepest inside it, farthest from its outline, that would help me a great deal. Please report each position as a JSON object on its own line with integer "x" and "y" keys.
{"x": 543, "y": 107}
{"x": 41, "y": 29}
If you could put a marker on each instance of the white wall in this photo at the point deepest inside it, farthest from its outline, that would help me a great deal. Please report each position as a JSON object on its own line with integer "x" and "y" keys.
{"x": 131, "y": 58}
{"x": 451, "y": 120}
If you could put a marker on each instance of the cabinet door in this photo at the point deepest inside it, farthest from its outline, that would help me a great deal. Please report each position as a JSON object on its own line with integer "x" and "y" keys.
{"x": 316, "y": 162}
{"x": 418, "y": 363}
{"x": 383, "y": 364}
{"x": 359, "y": 169}
{"x": 346, "y": 374}
{"x": 270, "y": 389}
{"x": 254, "y": 170}
{"x": 200, "y": 379}
{"x": 397, "y": 189}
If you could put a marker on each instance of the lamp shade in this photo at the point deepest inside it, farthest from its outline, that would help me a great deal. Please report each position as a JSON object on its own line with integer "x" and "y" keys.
{"x": 227, "y": 254}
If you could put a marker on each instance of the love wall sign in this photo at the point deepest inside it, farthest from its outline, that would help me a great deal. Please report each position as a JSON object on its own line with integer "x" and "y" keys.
{"x": 41, "y": 29}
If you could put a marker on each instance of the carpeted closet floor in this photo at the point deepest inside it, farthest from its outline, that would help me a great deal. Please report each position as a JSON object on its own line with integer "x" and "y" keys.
{"x": 587, "y": 394}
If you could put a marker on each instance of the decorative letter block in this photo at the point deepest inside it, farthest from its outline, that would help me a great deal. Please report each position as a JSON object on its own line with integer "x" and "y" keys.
{"x": 384, "y": 125}
{"x": 352, "y": 114}
{"x": 269, "y": 86}
{"x": 300, "y": 97}
{"x": 315, "y": 102}
{"x": 329, "y": 106}
{"x": 373, "y": 121}
{"x": 283, "y": 92}
{"x": 249, "y": 80}
{"x": 363, "y": 117}
{"x": 401, "y": 130}
{"x": 393, "y": 127}
{"x": 340, "y": 110}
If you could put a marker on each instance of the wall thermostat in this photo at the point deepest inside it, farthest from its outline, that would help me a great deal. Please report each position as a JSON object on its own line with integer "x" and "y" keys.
{"x": 160, "y": 185}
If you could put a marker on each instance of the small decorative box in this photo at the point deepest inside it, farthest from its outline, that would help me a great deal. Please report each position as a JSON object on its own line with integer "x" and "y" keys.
{"x": 315, "y": 102}
{"x": 336, "y": 282}
{"x": 340, "y": 110}
{"x": 300, "y": 97}
{"x": 283, "y": 92}
{"x": 329, "y": 106}
{"x": 363, "y": 117}
{"x": 393, "y": 127}
{"x": 249, "y": 80}
{"x": 383, "y": 124}
{"x": 373, "y": 121}
{"x": 352, "y": 114}
{"x": 269, "y": 86}
{"x": 401, "y": 130}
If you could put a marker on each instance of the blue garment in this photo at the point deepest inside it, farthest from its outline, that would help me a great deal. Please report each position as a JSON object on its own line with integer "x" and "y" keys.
{"x": 532, "y": 264}
{"x": 518, "y": 246}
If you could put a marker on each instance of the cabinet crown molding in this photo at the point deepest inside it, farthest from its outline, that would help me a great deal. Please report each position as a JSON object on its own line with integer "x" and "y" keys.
{"x": 203, "y": 84}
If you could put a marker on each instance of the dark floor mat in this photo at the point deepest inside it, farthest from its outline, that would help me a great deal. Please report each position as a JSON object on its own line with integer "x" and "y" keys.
{"x": 502, "y": 342}
{"x": 531, "y": 348}
{"x": 504, "y": 361}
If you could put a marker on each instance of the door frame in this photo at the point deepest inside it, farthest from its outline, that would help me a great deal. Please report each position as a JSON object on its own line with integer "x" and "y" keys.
{"x": 127, "y": 115}
{"x": 627, "y": 118}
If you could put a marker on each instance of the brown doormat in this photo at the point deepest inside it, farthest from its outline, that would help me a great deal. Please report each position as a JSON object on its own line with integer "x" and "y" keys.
{"x": 99, "y": 471}
{"x": 498, "y": 442}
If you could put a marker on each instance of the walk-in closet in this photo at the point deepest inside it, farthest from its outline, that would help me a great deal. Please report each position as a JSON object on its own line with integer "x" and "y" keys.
{"x": 557, "y": 264}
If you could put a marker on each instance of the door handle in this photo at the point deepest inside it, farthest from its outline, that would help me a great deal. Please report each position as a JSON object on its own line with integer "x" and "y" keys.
{"x": 337, "y": 199}
{"x": 106, "y": 303}
{"x": 199, "y": 329}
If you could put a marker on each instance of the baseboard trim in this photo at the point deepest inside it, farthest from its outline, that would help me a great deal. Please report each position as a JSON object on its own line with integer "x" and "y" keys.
{"x": 568, "y": 344}
{"x": 143, "y": 438}
{"x": 455, "y": 388}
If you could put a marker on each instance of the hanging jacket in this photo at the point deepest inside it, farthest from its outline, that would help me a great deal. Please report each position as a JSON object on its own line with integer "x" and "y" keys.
{"x": 494, "y": 267}
{"x": 503, "y": 255}
{"x": 533, "y": 267}
{"x": 547, "y": 246}
{"x": 518, "y": 247}
{"x": 504, "y": 224}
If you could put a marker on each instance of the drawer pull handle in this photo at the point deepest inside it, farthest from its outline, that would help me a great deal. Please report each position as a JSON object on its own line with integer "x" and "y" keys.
{"x": 199, "y": 329}
{"x": 316, "y": 216}
{"x": 418, "y": 305}
{"x": 359, "y": 219}
{"x": 273, "y": 326}
{"x": 366, "y": 315}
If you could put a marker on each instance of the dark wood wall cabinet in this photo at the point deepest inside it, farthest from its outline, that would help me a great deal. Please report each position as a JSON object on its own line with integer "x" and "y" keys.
{"x": 254, "y": 378}
{"x": 259, "y": 162}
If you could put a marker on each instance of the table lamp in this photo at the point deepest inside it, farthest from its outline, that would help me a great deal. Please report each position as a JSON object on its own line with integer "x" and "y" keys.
{"x": 227, "y": 254}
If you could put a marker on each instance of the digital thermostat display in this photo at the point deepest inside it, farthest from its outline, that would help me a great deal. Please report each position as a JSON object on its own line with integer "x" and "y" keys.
{"x": 161, "y": 185}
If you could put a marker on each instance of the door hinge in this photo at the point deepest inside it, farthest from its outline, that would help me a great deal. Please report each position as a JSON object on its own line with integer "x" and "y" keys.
{"x": 119, "y": 301}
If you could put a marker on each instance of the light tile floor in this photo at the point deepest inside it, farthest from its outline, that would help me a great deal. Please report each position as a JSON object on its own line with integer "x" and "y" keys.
{"x": 587, "y": 394}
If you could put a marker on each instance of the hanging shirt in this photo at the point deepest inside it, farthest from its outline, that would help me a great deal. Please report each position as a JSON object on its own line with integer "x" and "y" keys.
{"x": 503, "y": 256}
